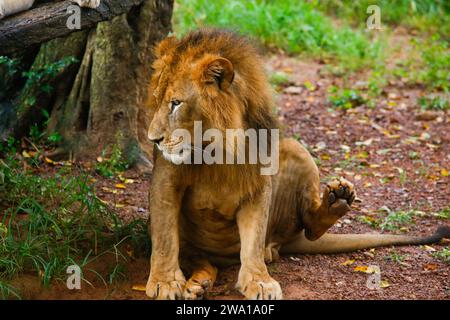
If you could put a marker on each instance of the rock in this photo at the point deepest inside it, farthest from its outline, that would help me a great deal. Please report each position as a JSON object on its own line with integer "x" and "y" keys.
{"x": 293, "y": 90}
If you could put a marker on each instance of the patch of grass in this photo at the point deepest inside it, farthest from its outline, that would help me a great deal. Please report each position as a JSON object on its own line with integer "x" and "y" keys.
{"x": 371, "y": 221}
{"x": 436, "y": 59}
{"x": 396, "y": 220}
{"x": 423, "y": 15}
{"x": 279, "y": 79}
{"x": 443, "y": 214}
{"x": 345, "y": 98}
{"x": 434, "y": 103}
{"x": 112, "y": 163}
{"x": 395, "y": 257}
{"x": 443, "y": 254}
{"x": 293, "y": 26}
{"x": 48, "y": 223}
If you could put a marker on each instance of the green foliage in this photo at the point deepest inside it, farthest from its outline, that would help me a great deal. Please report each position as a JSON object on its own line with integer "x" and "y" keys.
{"x": 12, "y": 65}
{"x": 345, "y": 98}
{"x": 279, "y": 79}
{"x": 38, "y": 79}
{"x": 291, "y": 25}
{"x": 51, "y": 222}
{"x": 397, "y": 219}
{"x": 443, "y": 255}
{"x": 436, "y": 73}
{"x": 112, "y": 164}
{"x": 423, "y": 15}
{"x": 395, "y": 257}
{"x": 443, "y": 214}
{"x": 434, "y": 103}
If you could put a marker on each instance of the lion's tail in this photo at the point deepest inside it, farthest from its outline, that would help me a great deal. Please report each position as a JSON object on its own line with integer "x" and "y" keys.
{"x": 337, "y": 243}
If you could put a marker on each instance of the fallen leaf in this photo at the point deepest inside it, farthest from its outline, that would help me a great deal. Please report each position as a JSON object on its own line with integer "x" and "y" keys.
{"x": 428, "y": 248}
{"x": 444, "y": 172}
{"x": 384, "y": 284}
{"x": 50, "y": 161}
{"x": 120, "y": 186}
{"x": 109, "y": 190}
{"x": 360, "y": 269}
{"x": 25, "y": 154}
{"x": 348, "y": 262}
{"x": 138, "y": 287}
{"x": 430, "y": 266}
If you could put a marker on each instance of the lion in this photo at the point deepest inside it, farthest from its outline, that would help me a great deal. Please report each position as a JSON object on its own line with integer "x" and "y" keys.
{"x": 10, "y": 7}
{"x": 203, "y": 216}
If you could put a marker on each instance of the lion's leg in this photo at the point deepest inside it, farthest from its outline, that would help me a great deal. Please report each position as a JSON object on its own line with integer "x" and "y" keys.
{"x": 299, "y": 172}
{"x": 202, "y": 279}
{"x": 254, "y": 281}
{"x": 336, "y": 200}
{"x": 166, "y": 280}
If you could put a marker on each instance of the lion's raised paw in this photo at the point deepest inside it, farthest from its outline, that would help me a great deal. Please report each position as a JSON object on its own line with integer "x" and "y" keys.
{"x": 340, "y": 194}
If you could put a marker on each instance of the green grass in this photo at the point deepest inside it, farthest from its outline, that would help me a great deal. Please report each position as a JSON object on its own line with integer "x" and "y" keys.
{"x": 293, "y": 26}
{"x": 393, "y": 221}
{"x": 422, "y": 15}
{"x": 345, "y": 98}
{"x": 396, "y": 220}
{"x": 443, "y": 255}
{"x": 53, "y": 221}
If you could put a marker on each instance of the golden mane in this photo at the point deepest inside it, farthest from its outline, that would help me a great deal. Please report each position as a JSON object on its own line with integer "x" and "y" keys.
{"x": 249, "y": 85}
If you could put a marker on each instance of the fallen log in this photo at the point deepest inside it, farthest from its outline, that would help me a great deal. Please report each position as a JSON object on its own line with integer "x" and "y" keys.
{"x": 50, "y": 21}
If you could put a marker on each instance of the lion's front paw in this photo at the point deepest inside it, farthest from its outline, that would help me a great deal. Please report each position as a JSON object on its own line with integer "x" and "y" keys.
{"x": 261, "y": 288}
{"x": 195, "y": 290}
{"x": 169, "y": 289}
{"x": 339, "y": 195}
{"x": 88, "y": 3}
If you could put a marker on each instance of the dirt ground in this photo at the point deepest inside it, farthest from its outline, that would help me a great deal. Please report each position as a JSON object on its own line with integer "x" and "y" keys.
{"x": 373, "y": 148}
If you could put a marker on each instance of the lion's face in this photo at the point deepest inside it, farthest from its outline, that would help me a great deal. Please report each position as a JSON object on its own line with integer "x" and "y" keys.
{"x": 185, "y": 92}
{"x": 178, "y": 109}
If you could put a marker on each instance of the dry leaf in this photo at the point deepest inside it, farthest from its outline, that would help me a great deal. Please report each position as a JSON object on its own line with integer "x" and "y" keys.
{"x": 360, "y": 269}
{"x": 138, "y": 287}
{"x": 25, "y": 154}
{"x": 120, "y": 186}
{"x": 430, "y": 266}
{"x": 444, "y": 172}
{"x": 348, "y": 262}
{"x": 384, "y": 284}
{"x": 50, "y": 161}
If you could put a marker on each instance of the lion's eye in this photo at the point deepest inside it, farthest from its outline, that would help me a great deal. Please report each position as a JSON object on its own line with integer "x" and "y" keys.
{"x": 175, "y": 104}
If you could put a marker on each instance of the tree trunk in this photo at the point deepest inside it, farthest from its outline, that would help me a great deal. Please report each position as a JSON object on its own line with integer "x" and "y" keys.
{"x": 100, "y": 101}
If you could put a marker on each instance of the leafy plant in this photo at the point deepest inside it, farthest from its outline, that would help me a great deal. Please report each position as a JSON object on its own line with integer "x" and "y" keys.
{"x": 293, "y": 26}
{"x": 434, "y": 103}
{"x": 48, "y": 223}
{"x": 397, "y": 219}
{"x": 345, "y": 98}
{"x": 111, "y": 164}
{"x": 443, "y": 254}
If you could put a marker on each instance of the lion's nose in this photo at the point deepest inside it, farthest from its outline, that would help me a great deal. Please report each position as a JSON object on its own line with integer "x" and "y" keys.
{"x": 156, "y": 140}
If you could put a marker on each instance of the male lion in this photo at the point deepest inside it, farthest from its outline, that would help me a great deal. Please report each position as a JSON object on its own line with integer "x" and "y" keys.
{"x": 210, "y": 214}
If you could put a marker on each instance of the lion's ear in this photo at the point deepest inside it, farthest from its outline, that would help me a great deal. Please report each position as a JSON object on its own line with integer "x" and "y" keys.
{"x": 218, "y": 71}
